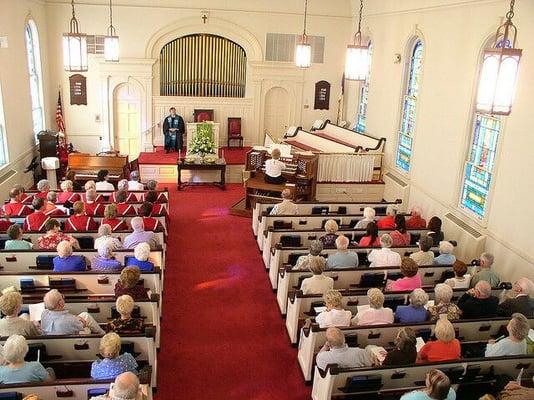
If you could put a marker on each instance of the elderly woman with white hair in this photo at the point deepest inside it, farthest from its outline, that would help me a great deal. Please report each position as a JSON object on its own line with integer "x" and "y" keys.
{"x": 286, "y": 207}
{"x": 415, "y": 221}
{"x": 445, "y": 348}
{"x": 104, "y": 236}
{"x": 91, "y": 186}
{"x": 369, "y": 214}
{"x": 316, "y": 248}
{"x": 105, "y": 260}
{"x": 56, "y": 320}
{"x": 384, "y": 257}
{"x": 122, "y": 185}
{"x": 125, "y": 323}
{"x": 445, "y": 254}
{"x": 376, "y": 314}
{"x": 424, "y": 256}
{"x": 17, "y": 370}
{"x": 342, "y": 258}
{"x": 515, "y": 344}
{"x": 133, "y": 183}
{"x": 141, "y": 258}
{"x": 442, "y": 304}
{"x": 43, "y": 186}
{"x": 12, "y": 323}
{"x": 330, "y": 227}
{"x": 318, "y": 283}
{"x": 113, "y": 363}
{"x": 416, "y": 311}
{"x": 65, "y": 261}
{"x": 139, "y": 235}
{"x": 67, "y": 194}
{"x": 388, "y": 222}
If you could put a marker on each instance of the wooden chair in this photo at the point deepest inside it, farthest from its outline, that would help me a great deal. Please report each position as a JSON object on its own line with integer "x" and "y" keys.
{"x": 234, "y": 132}
{"x": 203, "y": 115}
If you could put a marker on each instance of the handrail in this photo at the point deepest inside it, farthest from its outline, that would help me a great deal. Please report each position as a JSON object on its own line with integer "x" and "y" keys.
{"x": 151, "y": 130}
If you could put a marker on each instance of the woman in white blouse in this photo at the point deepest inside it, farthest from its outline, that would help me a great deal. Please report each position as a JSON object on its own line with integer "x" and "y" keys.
{"x": 334, "y": 314}
{"x": 274, "y": 168}
{"x": 318, "y": 283}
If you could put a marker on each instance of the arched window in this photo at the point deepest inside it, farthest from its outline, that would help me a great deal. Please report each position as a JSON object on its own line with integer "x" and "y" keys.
{"x": 481, "y": 156}
{"x": 361, "y": 119}
{"x": 3, "y": 142}
{"x": 409, "y": 106}
{"x": 202, "y": 65}
{"x": 36, "y": 77}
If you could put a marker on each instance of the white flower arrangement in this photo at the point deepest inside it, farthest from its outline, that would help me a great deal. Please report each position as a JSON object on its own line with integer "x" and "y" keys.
{"x": 203, "y": 142}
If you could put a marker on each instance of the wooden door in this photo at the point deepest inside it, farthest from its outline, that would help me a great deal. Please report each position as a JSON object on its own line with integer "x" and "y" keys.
{"x": 276, "y": 113}
{"x": 127, "y": 121}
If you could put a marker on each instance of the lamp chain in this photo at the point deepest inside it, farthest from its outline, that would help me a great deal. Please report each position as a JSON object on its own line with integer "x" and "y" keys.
{"x": 305, "y": 15}
{"x": 510, "y": 14}
{"x": 360, "y": 18}
{"x": 110, "y": 15}
{"x": 72, "y": 5}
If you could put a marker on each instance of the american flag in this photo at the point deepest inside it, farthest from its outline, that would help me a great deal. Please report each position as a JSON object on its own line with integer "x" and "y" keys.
{"x": 59, "y": 115}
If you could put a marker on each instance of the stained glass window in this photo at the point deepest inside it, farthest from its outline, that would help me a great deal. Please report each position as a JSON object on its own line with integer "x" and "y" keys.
{"x": 3, "y": 147}
{"x": 36, "y": 81}
{"x": 409, "y": 107}
{"x": 364, "y": 95}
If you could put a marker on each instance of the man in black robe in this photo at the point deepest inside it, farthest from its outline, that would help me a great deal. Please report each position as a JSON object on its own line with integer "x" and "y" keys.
{"x": 173, "y": 130}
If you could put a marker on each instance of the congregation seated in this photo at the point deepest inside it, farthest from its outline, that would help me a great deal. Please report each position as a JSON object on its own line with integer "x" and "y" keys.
{"x": 319, "y": 283}
{"x": 16, "y": 369}
{"x": 336, "y": 351}
{"x": 54, "y": 236}
{"x": 16, "y": 241}
{"x": 274, "y": 168}
{"x": 36, "y": 221}
{"x": 140, "y": 235}
{"x": 376, "y": 314}
{"x": 334, "y": 315}
{"x": 400, "y": 236}
{"x": 152, "y": 186}
{"x": 92, "y": 205}
{"x": 478, "y": 302}
{"x": 385, "y": 257}
{"x": 65, "y": 261}
{"x": 434, "y": 229}
{"x": 484, "y": 271}
{"x": 141, "y": 258}
{"x": 91, "y": 185}
{"x": 461, "y": 279}
{"x": 411, "y": 279}
{"x": 371, "y": 238}
{"x": 105, "y": 260}
{"x": 123, "y": 208}
{"x": 5, "y": 223}
{"x": 129, "y": 284}
{"x": 415, "y": 311}
{"x": 445, "y": 254}
{"x": 125, "y": 387}
{"x": 438, "y": 387}
{"x": 442, "y": 304}
{"x": 302, "y": 264}
{"x": 105, "y": 236}
{"x": 12, "y": 323}
{"x": 56, "y": 320}
{"x": 388, "y": 222}
{"x": 369, "y": 214}
{"x": 286, "y": 207}
{"x": 152, "y": 197}
{"x": 67, "y": 194}
{"x": 415, "y": 221}
{"x": 122, "y": 185}
{"x": 43, "y": 187}
{"x": 111, "y": 219}
{"x": 112, "y": 363}
{"x": 133, "y": 183}
{"x": 125, "y": 323}
{"x": 424, "y": 256}
{"x": 329, "y": 240}
{"x": 520, "y": 300}
{"x": 445, "y": 348}
{"x": 15, "y": 207}
{"x": 342, "y": 258}
{"x": 80, "y": 221}
{"x": 405, "y": 352}
{"x": 513, "y": 345}
{"x": 71, "y": 176}
{"x": 102, "y": 184}
{"x": 50, "y": 206}
{"x": 24, "y": 197}
{"x": 145, "y": 212}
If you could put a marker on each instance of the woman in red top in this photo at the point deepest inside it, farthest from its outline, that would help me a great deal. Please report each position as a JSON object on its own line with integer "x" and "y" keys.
{"x": 416, "y": 221}
{"x": 388, "y": 222}
{"x": 43, "y": 186}
{"x": 445, "y": 348}
{"x": 400, "y": 236}
{"x": 110, "y": 218}
{"x": 80, "y": 221}
{"x": 157, "y": 208}
{"x": 123, "y": 208}
{"x": 67, "y": 195}
{"x": 371, "y": 238}
{"x": 54, "y": 236}
{"x": 145, "y": 211}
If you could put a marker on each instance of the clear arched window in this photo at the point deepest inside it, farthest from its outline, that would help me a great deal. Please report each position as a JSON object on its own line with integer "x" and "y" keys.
{"x": 480, "y": 159}
{"x": 361, "y": 118}
{"x": 35, "y": 75}
{"x": 409, "y": 105}
{"x": 3, "y": 142}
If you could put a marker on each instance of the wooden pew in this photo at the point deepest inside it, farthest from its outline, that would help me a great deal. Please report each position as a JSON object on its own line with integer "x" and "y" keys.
{"x": 328, "y": 384}
{"x": 138, "y": 193}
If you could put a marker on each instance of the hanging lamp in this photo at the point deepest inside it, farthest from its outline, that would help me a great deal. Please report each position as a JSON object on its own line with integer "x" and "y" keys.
{"x": 303, "y": 51}
{"x": 357, "y": 61}
{"x": 74, "y": 47}
{"x": 500, "y": 69}
{"x": 111, "y": 40}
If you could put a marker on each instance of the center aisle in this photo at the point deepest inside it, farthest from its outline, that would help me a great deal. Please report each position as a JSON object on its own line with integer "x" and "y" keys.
{"x": 222, "y": 334}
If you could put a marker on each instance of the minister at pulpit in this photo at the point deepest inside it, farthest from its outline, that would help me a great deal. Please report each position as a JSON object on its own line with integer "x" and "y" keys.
{"x": 173, "y": 130}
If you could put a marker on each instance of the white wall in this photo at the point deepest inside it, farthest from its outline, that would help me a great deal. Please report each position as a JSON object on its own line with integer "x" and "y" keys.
{"x": 453, "y": 34}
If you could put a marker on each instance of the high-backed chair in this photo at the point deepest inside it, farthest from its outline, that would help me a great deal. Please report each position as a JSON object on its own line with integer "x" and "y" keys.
{"x": 203, "y": 115}
{"x": 234, "y": 131}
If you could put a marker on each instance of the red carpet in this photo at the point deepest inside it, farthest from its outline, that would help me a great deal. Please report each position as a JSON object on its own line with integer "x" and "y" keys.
{"x": 222, "y": 334}
{"x": 233, "y": 156}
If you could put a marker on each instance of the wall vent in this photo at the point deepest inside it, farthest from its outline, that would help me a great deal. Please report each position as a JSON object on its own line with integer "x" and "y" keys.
{"x": 395, "y": 178}
{"x": 466, "y": 227}
{"x": 281, "y": 47}
{"x": 396, "y": 188}
{"x": 471, "y": 242}
{"x": 4, "y": 177}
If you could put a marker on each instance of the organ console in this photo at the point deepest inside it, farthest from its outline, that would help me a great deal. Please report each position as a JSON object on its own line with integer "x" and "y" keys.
{"x": 86, "y": 166}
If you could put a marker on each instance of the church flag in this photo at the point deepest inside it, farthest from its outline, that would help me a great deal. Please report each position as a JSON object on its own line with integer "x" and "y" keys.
{"x": 59, "y": 115}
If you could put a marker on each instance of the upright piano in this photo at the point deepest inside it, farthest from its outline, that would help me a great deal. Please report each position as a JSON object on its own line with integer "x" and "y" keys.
{"x": 86, "y": 166}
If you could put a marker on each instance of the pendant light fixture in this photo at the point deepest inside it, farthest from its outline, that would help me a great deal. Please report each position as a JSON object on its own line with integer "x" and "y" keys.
{"x": 357, "y": 61}
{"x": 111, "y": 40}
{"x": 74, "y": 47}
{"x": 303, "y": 50}
{"x": 500, "y": 69}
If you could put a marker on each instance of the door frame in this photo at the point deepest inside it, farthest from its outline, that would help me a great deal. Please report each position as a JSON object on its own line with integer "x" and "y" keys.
{"x": 114, "y": 110}
{"x": 265, "y": 110}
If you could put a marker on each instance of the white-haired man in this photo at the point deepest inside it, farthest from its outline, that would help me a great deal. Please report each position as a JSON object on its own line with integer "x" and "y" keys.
{"x": 125, "y": 387}
{"x": 484, "y": 272}
{"x": 139, "y": 235}
{"x": 385, "y": 257}
{"x": 520, "y": 302}
{"x": 286, "y": 207}
{"x": 478, "y": 302}
{"x": 133, "y": 183}
{"x": 335, "y": 351}
{"x": 342, "y": 258}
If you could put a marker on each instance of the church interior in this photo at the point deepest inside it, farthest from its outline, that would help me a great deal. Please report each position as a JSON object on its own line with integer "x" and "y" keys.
{"x": 249, "y": 199}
